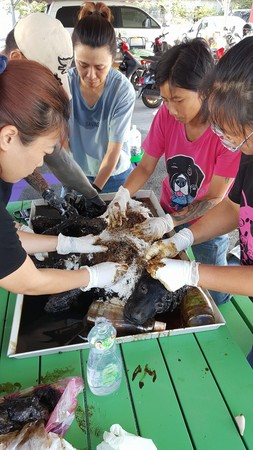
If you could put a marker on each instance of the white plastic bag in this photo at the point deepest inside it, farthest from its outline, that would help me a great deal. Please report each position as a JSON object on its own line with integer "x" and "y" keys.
{"x": 119, "y": 439}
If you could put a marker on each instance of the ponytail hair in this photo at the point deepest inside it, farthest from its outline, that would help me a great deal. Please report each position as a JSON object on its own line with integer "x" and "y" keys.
{"x": 94, "y": 27}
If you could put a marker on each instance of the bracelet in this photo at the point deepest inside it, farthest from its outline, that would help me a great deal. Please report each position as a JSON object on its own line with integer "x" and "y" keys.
{"x": 97, "y": 188}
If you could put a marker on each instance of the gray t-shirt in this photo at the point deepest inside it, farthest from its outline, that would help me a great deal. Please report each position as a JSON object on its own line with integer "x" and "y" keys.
{"x": 91, "y": 129}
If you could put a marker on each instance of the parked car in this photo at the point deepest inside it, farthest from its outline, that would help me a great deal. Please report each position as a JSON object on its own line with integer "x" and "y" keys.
{"x": 129, "y": 21}
{"x": 207, "y": 27}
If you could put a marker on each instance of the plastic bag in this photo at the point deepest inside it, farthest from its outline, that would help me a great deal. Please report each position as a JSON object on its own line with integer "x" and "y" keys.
{"x": 119, "y": 439}
{"x": 53, "y": 403}
{"x": 64, "y": 412}
{"x": 33, "y": 436}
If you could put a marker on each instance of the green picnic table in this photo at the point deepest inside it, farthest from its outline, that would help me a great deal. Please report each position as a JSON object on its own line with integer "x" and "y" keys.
{"x": 183, "y": 392}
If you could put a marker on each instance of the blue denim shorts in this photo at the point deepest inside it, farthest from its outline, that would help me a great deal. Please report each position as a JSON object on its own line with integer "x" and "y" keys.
{"x": 114, "y": 182}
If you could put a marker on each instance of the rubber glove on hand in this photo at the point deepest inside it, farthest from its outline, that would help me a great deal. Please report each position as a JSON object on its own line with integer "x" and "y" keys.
{"x": 96, "y": 203}
{"x": 174, "y": 273}
{"x": 119, "y": 439}
{"x": 104, "y": 275}
{"x": 116, "y": 210}
{"x": 172, "y": 246}
{"x": 39, "y": 256}
{"x": 84, "y": 244}
{"x": 154, "y": 227}
{"x": 59, "y": 203}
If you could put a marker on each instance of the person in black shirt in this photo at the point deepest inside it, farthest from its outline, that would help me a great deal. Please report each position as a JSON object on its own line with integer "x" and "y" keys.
{"x": 32, "y": 123}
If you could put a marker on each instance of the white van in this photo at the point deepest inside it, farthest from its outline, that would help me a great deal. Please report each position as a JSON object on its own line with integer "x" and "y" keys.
{"x": 130, "y": 22}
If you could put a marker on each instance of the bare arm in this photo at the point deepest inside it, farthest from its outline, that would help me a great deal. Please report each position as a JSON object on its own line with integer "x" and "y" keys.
{"x": 36, "y": 243}
{"x": 236, "y": 280}
{"x": 141, "y": 173}
{"x": 29, "y": 280}
{"x": 217, "y": 190}
{"x": 108, "y": 164}
{"x": 222, "y": 219}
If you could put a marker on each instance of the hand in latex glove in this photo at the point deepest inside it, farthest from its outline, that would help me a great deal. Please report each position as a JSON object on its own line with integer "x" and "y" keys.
{"x": 59, "y": 203}
{"x": 119, "y": 439}
{"x": 154, "y": 227}
{"x": 104, "y": 275}
{"x": 84, "y": 244}
{"x": 39, "y": 256}
{"x": 172, "y": 246}
{"x": 117, "y": 208}
{"x": 174, "y": 273}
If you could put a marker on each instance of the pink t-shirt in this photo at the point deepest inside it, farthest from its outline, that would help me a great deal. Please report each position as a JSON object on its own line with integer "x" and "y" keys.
{"x": 190, "y": 165}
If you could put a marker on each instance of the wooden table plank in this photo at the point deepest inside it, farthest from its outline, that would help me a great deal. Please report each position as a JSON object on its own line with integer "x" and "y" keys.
{"x": 158, "y": 414}
{"x": 15, "y": 373}
{"x": 232, "y": 373}
{"x": 201, "y": 401}
{"x": 61, "y": 365}
{"x": 104, "y": 411}
{"x": 244, "y": 306}
{"x": 237, "y": 327}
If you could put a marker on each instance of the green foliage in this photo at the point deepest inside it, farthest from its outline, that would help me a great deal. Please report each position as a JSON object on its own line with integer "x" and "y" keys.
{"x": 243, "y": 4}
{"x": 203, "y": 11}
{"x": 178, "y": 10}
{"x": 24, "y": 7}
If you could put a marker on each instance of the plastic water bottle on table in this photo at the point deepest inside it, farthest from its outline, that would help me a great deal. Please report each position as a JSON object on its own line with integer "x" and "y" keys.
{"x": 104, "y": 367}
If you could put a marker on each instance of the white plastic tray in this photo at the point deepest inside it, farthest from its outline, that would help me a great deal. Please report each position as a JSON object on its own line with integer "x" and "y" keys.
{"x": 12, "y": 348}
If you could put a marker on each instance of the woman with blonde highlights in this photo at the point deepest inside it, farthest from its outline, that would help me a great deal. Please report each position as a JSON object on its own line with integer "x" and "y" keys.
{"x": 32, "y": 123}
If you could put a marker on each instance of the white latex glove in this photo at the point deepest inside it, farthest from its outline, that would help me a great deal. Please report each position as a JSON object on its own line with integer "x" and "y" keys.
{"x": 172, "y": 246}
{"x": 104, "y": 275}
{"x": 175, "y": 273}
{"x": 84, "y": 244}
{"x": 39, "y": 256}
{"x": 116, "y": 210}
{"x": 154, "y": 227}
{"x": 119, "y": 439}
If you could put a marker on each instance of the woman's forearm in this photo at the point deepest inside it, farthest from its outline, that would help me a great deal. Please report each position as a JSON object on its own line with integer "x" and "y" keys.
{"x": 36, "y": 243}
{"x": 141, "y": 174}
{"x": 235, "y": 280}
{"x": 29, "y": 280}
{"x": 222, "y": 218}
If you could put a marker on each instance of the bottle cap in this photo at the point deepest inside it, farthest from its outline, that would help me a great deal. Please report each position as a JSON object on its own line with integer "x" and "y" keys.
{"x": 159, "y": 326}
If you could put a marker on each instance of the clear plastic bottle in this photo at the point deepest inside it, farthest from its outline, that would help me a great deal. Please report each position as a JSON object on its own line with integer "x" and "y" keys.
{"x": 104, "y": 367}
{"x": 135, "y": 141}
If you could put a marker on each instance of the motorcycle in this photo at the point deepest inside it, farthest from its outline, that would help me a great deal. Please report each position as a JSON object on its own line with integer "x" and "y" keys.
{"x": 129, "y": 63}
{"x": 149, "y": 92}
{"x": 160, "y": 46}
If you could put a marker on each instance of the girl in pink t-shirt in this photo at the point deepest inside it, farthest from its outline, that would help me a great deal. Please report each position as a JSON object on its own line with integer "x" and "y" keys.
{"x": 200, "y": 170}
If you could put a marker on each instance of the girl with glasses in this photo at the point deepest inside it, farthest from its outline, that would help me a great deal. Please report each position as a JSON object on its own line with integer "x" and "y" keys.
{"x": 230, "y": 101}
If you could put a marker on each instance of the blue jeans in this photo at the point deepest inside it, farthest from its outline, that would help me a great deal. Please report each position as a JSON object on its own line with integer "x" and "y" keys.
{"x": 212, "y": 252}
{"x": 114, "y": 182}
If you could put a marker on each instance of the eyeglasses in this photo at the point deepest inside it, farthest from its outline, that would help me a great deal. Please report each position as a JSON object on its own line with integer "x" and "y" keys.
{"x": 226, "y": 142}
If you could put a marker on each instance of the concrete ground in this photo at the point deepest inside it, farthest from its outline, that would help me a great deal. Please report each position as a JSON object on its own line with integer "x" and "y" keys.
{"x": 142, "y": 118}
